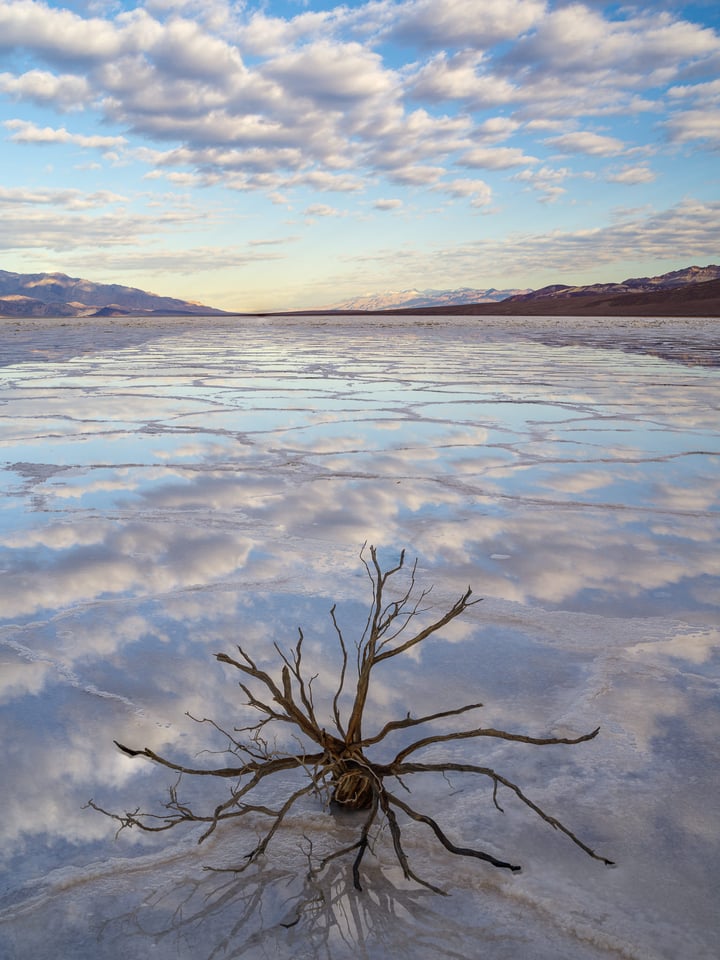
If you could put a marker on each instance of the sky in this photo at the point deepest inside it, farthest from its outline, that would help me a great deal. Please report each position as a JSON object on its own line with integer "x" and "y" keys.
{"x": 293, "y": 154}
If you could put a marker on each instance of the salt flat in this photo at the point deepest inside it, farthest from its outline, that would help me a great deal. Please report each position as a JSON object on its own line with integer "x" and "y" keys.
{"x": 172, "y": 487}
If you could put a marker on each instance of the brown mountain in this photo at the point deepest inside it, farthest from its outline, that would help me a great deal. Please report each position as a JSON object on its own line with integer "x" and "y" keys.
{"x": 57, "y": 295}
{"x": 692, "y": 292}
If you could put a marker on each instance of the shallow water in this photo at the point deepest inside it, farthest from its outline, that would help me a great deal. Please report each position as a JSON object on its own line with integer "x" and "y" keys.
{"x": 168, "y": 493}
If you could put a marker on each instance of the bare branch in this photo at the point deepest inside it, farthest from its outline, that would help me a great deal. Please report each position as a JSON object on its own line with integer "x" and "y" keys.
{"x": 488, "y": 772}
{"x": 409, "y": 721}
{"x": 396, "y": 835}
{"x": 341, "y": 770}
{"x": 491, "y": 732}
{"x": 443, "y": 838}
{"x": 458, "y": 607}
{"x": 343, "y": 671}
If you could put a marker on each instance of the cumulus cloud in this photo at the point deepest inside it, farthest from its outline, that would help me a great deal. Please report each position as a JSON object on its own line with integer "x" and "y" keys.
{"x": 546, "y": 180}
{"x": 460, "y": 22}
{"x": 698, "y": 92}
{"x": 332, "y": 74}
{"x": 479, "y": 192}
{"x": 462, "y": 77}
{"x": 65, "y": 91}
{"x": 63, "y": 36}
{"x": 585, "y": 141}
{"x": 701, "y": 125}
{"x": 632, "y": 175}
{"x": 496, "y": 158}
{"x": 23, "y": 131}
{"x": 389, "y": 204}
{"x": 320, "y": 210}
{"x": 71, "y": 199}
{"x": 576, "y": 37}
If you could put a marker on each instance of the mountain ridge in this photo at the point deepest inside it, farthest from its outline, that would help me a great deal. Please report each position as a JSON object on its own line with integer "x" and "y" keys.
{"x": 665, "y": 281}
{"x": 690, "y": 291}
{"x": 58, "y": 295}
{"x": 413, "y": 298}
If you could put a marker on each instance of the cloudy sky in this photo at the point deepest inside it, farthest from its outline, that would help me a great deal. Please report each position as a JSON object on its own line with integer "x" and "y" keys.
{"x": 293, "y": 153}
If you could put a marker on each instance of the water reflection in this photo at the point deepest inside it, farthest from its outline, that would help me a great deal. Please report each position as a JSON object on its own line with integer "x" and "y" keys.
{"x": 166, "y": 499}
{"x": 222, "y": 916}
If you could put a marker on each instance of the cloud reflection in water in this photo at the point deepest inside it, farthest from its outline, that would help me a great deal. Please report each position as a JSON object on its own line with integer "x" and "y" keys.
{"x": 216, "y": 485}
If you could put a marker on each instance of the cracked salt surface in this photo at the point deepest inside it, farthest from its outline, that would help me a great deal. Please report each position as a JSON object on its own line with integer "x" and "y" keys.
{"x": 170, "y": 488}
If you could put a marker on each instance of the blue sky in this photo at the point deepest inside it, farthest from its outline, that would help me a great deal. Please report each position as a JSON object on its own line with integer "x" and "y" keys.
{"x": 293, "y": 154}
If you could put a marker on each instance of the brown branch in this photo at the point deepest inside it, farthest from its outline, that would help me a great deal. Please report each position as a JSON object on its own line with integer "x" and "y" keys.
{"x": 396, "y": 835}
{"x": 409, "y": 721}
{"x": 491, "y": 732}
{"x": 445, "y": 841}
{"x": 406, "y": 768}
{"x": 343, "y": 671}
{"x": 273, "y": 765}
{"x": 458, "y": 607}
{"x": 282, "y": 697}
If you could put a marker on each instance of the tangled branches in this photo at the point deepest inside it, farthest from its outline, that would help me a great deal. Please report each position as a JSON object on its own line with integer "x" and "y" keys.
{"x": 338, "y": 763}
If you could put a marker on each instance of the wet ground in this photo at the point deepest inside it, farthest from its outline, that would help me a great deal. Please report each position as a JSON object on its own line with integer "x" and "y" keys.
{"x": 170, "y": 490}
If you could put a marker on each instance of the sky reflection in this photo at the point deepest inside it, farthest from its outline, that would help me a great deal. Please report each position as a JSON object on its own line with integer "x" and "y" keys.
{"x": 181, "y": 495}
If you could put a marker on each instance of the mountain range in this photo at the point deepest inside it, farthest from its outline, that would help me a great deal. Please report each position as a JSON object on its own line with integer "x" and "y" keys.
{"x": 692, "y": 291}
{"x": 414, "y": 299}
{"x": 57, "y": 295}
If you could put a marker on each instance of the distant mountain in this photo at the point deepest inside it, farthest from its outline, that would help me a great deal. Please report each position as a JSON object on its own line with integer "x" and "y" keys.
{"x": 418, "y": 299}
{"x": 691, "y": 292}
{"x": 694, "y": 298}
{"x": 57, "y": 295}
{"x": 666, "y": 281}
{"x": 557, "y": 298}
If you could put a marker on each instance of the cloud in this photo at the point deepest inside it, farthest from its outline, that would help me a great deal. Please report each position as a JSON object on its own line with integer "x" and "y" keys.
{"x": 63, "y": 36}
{"x": 495, "y": 129}
{"x": 632, "y": 175}
{"x": 413, "y": 174}
{"x": 685, "y": 233}
{"x": 708, "y": 93}
{"x": 479, "y": 192}
{"x": 496, "y": 158}
{"x": 268, "y": 35}
{"x": 372, "y": 97}
{"x": 185, "y": 49}
{"x": 332, "y": 74}
{"x": 701, "y": 125}
{"x": 547, "y": 181}
{"x": 592, "y": 144}
{"x": 147, "y": 256}
{"x": 576, "y": 37}
{"x": 459, "y": 78}
{"x": 460, "y": 23}
{"x": 26, "y": 132}
{"x": 65, "y": 92}
{"x": 26, "y": 225}
{"x": 71, "y": 199}
{"x": 382, "y": 204}
{"x": 320, "y": 210}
